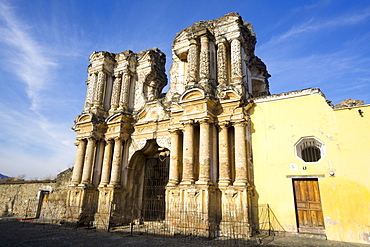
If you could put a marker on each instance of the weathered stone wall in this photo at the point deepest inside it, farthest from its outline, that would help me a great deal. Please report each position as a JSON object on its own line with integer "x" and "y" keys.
{"x": 29, "y": 199}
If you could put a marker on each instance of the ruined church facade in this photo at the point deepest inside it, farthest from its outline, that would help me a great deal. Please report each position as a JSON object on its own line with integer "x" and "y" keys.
{"x": 142, "y": 154}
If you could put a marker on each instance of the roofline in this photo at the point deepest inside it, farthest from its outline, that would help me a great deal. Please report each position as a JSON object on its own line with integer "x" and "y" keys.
{"x": 289, "y": 95}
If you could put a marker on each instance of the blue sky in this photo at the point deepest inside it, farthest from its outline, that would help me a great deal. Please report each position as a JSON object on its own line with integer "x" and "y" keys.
{"x": 45, "y": 46}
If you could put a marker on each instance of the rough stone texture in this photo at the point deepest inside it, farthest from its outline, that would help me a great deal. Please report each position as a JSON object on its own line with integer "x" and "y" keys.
{"x": 22, "y": 198}
{"x": 214, "y": 74}
{"x": 349, "y": 103}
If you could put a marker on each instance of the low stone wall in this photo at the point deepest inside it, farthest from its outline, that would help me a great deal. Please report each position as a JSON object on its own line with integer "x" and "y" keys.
{"x": 35, "y": 198}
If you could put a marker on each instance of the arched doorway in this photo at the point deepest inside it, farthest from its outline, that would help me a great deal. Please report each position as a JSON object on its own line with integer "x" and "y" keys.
{"x": 148, "y": 179}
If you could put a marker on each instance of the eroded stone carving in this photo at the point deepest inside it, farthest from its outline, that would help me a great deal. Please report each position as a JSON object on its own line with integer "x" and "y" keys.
{"x": 200, "y": 123}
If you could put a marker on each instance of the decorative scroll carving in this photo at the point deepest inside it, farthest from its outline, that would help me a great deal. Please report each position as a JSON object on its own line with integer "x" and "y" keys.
{"x": 236, "y": 61}
{"x": 231, "y": 195}
{"x": 204, "y": 58}
{"x": 193, "y": 62}
{"x": 221, "y": 63}
{"x": 125, "y": 91}
{"x": 116, "y": 92}
{"x": 100, "y": 84}
{"x": 90, "y": 90}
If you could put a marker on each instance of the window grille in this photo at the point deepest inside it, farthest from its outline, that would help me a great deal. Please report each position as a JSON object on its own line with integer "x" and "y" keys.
{"x": 310, "y": 149}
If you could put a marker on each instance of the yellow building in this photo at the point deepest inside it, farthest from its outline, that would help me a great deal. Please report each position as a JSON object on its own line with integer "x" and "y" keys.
{"x": 311, "y": 164}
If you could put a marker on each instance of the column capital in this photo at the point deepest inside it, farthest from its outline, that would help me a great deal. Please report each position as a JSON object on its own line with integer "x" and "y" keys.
{"x": 221, "y": 41}
{"x": 174, "y": 130}
{"x": 109, "y": 140}
{"x": 204, "y": 38}
{"x": 91, "y": 138}
{"x": 118, "y": 138}
{"x": 238, "y": 38}
{"x": 224, "y": 124}
{"x": 204, "y": 120}
{"x": 241, "y": 123}
{"x": 188, "y": 122}
{"x": 193, "y": 41}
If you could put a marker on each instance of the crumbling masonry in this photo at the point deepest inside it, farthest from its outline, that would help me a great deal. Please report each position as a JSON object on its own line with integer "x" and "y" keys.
{"x": 144, "y": 155}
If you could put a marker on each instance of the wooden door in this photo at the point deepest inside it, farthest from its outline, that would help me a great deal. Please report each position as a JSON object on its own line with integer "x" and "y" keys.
{"x": 308, "y": 203}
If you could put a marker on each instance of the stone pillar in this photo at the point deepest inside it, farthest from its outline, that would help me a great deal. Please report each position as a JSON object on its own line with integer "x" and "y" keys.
{"x": 174, "y": 158}
{"x": 89, "y": 160}
{"x": 221, "y": 64}
{"x": 116, "y": 91}
{"x": 107, "y": 163}
{"x": 204, "y": 59}
{"x": 224, "y": 159}
{"x": 79, "y": 162}
{"x": 99, "y": 89}
{"x": 188, "y": 154}
{"x": 193, "y": 62}
{"x": 90, "y": 91}
{"x": 204, "y": 153}
{"x": 241, "y": 176}
{"x": 115, "y": 177}
{"x": 236, "y": 61}
{"x": 125, "y": 91}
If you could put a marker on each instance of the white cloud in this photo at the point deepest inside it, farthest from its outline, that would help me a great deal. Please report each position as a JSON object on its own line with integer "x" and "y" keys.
{"x": 27, "y": 59}
{"x": 315, "y": 25}
{"x": 295, "y": 63}
{"x": 32, "y": 143}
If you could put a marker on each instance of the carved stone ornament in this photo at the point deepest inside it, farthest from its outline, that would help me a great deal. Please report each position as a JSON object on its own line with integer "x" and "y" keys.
{"x": 135, "y": 146}
{"x": 221, "y": 63}
{"x": 164, "y": 141}
{"x": 192, "y": 192}
{"x": 231, "y": 194}
{"x": 236, "y": 60}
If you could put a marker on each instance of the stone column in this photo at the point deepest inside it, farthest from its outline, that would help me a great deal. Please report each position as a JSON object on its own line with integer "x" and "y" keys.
{"x": 224, "y": 159}
{"x": 204, "y": 59}
{"x": 204, "y": 153}
{"x": 236, "y": 61}
{"x": 188, "y": 154}
{"x": 125, "y": 91}
{"x": 90, "y": 90}
{"x": 193, "y": 62}
{"x": 241, "y": 176}
{"x": 174, "y": 158}
{"x": 79, "y": 162}
{"x": 99, "y": 89}
{"x": 221, "y": 64}
{"x": 116, "y": 91}
{"x": 89, "y": 160}
{"x": 107, "y": 163}
{"x": 116, "y": 163}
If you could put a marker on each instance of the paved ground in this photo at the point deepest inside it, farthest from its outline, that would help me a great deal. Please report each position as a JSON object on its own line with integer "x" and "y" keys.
{"x": 15, "y": 233}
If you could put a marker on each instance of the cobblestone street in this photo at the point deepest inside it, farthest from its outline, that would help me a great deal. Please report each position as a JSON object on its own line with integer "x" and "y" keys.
{"x": 16, "y": 233}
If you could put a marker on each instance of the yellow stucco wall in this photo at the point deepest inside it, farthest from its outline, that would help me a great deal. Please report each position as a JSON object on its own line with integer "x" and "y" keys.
{"x": 278, "y": 122}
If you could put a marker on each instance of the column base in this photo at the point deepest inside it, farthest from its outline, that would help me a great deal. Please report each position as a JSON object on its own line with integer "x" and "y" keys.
{"x": 116, "y": 186}
{"x": 224, "y": 183}
{"x": 240, "y": 183}
{"x": 203, "y": 182}
{"x": 172, "y": 183}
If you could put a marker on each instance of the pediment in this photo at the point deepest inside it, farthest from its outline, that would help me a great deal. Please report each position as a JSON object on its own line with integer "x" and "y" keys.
{"x": 193, "y": 94}
{"x": 84, "y": 118}
{"x": 229, "y": 95}
{"x": 151, "y": 112}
